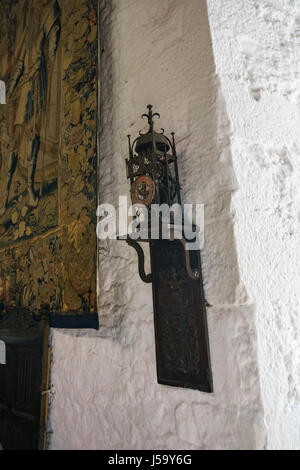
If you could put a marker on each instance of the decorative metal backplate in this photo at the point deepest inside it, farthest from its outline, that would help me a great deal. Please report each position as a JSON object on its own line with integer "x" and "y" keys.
{"x": 180, "y": 318}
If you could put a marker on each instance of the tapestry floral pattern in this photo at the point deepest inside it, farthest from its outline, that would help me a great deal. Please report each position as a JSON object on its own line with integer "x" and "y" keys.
{"x": 48, "y": 155}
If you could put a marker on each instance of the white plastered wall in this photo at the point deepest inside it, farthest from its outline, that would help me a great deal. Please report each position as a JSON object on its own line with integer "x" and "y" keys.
{"x": 238, "y": 156}
{"x": 257, "y": 54}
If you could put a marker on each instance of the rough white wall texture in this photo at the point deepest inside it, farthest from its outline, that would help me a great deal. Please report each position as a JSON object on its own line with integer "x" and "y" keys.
{"x": 228, "y": 86}
{"x": 257, "y": 52}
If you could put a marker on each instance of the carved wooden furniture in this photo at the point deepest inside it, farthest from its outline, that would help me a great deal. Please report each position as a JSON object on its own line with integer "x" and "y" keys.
{"x": 23, "y": 381}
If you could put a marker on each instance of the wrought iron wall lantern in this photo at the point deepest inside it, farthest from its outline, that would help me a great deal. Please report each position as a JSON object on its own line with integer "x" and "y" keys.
{"x": 182, "y": 348}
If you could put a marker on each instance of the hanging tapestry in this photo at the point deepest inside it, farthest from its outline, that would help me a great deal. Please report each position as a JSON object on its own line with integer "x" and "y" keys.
{"x": 48, "y": 159}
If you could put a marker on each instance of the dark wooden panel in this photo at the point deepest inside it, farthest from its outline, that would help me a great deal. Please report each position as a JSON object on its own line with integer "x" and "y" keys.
{"x": 22, "y": 406}
{"x": 17, "y": 433}
{"x": 26, "y": 396}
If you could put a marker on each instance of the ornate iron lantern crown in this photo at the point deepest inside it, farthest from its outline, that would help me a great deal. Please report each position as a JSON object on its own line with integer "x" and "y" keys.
{"x": 152, "y": 166}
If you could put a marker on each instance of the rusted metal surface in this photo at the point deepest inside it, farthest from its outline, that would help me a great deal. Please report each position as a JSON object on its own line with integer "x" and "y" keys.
{"x": 182, "y": 347}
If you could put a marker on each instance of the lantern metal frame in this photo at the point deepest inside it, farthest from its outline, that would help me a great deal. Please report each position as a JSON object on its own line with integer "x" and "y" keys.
{"x": 180, "y": 318}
